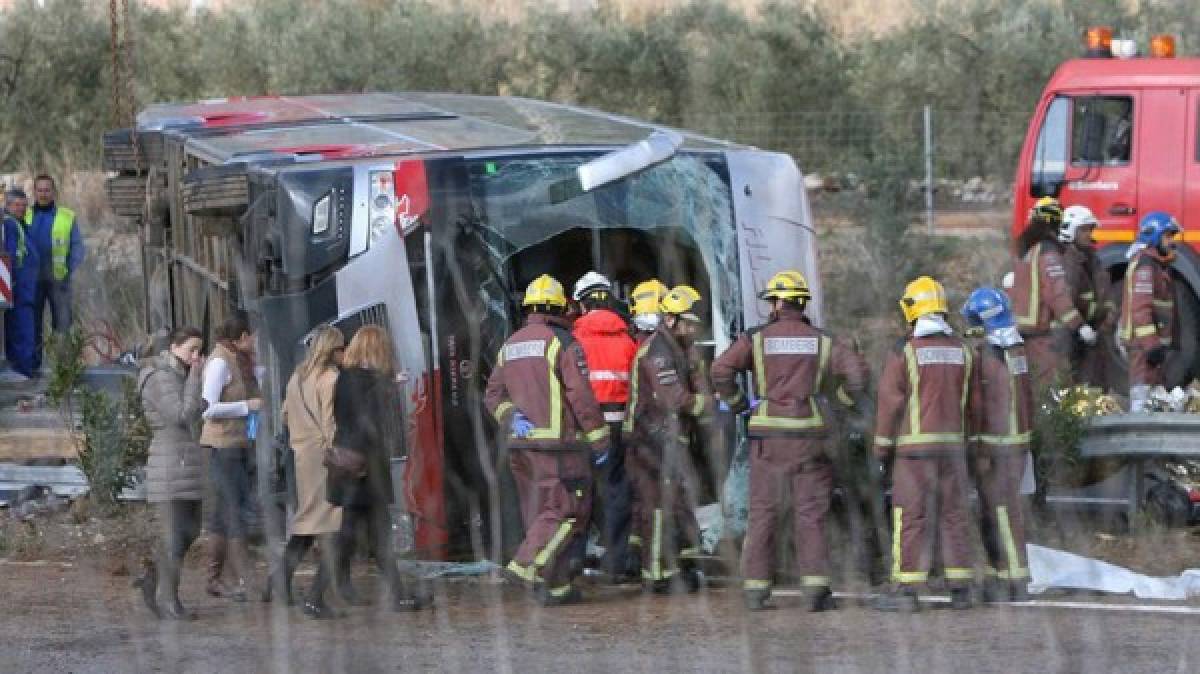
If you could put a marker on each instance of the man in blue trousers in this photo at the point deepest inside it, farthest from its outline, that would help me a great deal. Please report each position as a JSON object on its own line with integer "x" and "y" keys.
{"x": 18, "y": 320}
{"x": 56, "y": 238}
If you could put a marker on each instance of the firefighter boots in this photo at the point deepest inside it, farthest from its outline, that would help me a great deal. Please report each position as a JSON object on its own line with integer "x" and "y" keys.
{"x": 960, "y": 598}
{"x": 821, "y": 600}
{"x": 903, "y": 600}
{"x": 757, "y": 600}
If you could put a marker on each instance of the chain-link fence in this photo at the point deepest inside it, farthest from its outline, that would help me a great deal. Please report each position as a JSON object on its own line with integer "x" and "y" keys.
{"x": 919, "y": 145}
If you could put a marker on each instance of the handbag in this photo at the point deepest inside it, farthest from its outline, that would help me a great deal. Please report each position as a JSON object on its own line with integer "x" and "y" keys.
{"x": 341, "y": 462}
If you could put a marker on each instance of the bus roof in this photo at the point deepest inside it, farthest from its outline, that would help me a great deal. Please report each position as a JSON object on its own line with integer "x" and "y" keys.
{"x": 1134, "y": 73}
{"x": 355, "y": 125}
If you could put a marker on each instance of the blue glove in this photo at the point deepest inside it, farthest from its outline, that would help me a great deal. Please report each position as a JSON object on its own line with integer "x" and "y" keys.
{"x": 722, "y": 406}
{"x": 521, "y": 425}
{"x": 600, "y": 459}
{"x": 753, "y": 404}
{"x": 252, "y": 426}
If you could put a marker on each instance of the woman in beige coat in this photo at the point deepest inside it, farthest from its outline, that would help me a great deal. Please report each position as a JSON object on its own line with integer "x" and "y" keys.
{"x": 308, "y": 416}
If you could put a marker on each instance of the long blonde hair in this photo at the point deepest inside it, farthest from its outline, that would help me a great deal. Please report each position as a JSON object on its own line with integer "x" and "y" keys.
{"x": 371, "y": 349}
{"x": 323, "y": 343}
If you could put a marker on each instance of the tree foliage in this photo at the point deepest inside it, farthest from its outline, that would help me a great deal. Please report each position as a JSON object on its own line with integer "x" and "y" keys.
{"x": 701, "y": 65}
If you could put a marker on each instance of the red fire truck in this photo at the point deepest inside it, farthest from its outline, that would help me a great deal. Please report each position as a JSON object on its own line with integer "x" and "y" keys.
{"x": 1120, "y": 134}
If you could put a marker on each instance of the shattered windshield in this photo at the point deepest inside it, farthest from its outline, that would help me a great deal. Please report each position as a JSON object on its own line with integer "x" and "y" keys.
{"x": 622, "y": 229}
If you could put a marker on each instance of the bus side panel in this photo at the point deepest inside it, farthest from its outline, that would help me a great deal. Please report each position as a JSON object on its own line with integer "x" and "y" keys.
{"x": 774, "y": 228}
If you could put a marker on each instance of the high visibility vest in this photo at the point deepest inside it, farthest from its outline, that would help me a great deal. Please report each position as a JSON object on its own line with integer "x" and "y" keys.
{"x": 60, "y": 238}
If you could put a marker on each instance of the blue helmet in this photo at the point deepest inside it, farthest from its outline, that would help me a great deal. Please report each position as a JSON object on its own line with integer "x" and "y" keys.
{"x": 990, "y": 308}
{"x": 1154, "y": 226}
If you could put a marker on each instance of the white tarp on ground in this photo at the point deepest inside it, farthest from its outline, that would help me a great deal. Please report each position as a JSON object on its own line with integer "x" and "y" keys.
{"x": 1051, "y": 568}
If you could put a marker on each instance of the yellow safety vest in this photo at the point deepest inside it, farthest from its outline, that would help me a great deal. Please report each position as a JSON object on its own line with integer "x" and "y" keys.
{"x": 60, "y": 238}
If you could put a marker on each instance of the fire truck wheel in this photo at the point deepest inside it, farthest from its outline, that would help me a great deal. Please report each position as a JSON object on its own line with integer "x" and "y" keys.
{"x": 216, "y": 190}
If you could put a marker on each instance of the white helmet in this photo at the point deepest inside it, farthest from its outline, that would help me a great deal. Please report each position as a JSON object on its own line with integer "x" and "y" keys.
{"x": 1074, "y": 218}
{"x": 588, "y": 282}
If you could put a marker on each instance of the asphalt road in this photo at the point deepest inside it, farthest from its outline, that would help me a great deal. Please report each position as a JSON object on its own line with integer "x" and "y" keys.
{"x": 80, "y": 619}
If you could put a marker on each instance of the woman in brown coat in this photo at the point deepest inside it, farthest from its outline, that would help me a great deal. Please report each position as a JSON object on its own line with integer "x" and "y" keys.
{"x": 308, "y": 416}
{"x": 175, "y": 475}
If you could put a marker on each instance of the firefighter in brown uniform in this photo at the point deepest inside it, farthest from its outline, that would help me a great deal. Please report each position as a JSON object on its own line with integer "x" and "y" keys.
{"x": 1001, "y": 433}
{"x": 1042, "y": 301}
{"x": 1149, "y": 319}
{"x": 1090, "y": 283}
{"x": 539, "y": 390}
{"x": 664, "y": 406}
{"x": 792, "y": 363}
{"x": 921, "y": 418}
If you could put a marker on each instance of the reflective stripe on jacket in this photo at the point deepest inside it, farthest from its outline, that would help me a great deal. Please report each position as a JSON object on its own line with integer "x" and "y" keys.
{"x": 1148, "y": 313}
{"x": 792, "y": 363}
{"x": 1090, "y": 285}
{"x": 1004, "y": 417}
{"x": 542, "y": 372}
{"x": 60, "y": 238}
{"x": 924, "y": 394}
{"x": 605, "y": 339}
{"x": 1041, "y": 296}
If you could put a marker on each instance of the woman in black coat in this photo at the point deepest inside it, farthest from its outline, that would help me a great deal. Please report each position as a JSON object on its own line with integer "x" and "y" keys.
{"x": 368, "y": 411}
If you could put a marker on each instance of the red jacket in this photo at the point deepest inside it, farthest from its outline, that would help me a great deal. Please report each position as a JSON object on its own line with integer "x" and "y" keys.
{"x": 605, "y": 339}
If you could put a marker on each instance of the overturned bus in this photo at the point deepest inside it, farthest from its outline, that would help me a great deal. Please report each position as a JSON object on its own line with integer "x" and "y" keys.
{"x": 429, "y": 213}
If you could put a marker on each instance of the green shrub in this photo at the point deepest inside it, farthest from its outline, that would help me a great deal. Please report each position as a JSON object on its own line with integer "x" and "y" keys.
{"x": 113, "y": 435}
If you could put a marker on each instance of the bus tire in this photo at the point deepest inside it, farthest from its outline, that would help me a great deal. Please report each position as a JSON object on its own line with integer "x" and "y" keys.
{"x": 215, "y": 191}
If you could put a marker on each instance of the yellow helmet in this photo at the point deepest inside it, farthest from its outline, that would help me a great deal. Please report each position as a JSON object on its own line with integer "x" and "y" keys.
{"x": 786, "y": 285}
{"x": 545, "y": 291}
{"x": 1047, "y": 210}
{"x": 680, "y": 302}
{"x": 646, "y": 296}
{"x": 922, "y": 297}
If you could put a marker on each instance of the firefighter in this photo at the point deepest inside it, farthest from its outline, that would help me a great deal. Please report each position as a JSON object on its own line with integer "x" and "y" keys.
{"x": 1149, "y": 319}
{"x": 1002, "y": 430}
{"x": 792, "y": 363}
{"x": 539, "y": 391}
{"x": 1089, "y": 282}
{"x": 921, "y": 423}
{"x": 646, "y": 297}
{"x": 1046, "y": 313}
{"x": 665, "y": 403}
{"x": 604, "y": 337}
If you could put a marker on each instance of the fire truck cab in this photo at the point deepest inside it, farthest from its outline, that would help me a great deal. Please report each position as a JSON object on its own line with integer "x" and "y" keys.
{"x": 1121, "y": 135}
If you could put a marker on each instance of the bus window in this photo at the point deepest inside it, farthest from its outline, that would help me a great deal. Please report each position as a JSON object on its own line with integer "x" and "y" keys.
{"x": 1050, "y": 155}
{"x": 1102, "y": 131}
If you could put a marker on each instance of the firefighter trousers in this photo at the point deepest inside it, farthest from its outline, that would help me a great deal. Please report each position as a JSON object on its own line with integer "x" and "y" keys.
{"x": 929, "y": 507}
{"x": 1049, "y": 359}
{"x": 555, "y": 494}
{"x": 998, "y": 475}
{"x": 666, "y": 523}
{"x": 788, "y": 472}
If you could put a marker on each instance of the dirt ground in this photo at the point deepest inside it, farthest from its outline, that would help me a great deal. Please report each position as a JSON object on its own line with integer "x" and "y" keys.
{"x": 79, "y": 618}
